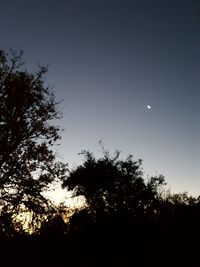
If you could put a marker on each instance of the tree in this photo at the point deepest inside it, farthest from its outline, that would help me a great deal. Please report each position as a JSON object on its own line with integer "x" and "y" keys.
{"x": 122, "y": 208}
{"x": 28, "y": 112}
{"x": 113, "y": 186}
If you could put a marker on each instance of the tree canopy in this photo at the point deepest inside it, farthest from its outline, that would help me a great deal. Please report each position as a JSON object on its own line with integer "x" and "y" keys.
{"x": 114, "y": 186}
{"x": 28, "y": 113}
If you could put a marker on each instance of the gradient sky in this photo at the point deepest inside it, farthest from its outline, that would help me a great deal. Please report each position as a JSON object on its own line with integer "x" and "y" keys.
{"x": 108, "y": 59}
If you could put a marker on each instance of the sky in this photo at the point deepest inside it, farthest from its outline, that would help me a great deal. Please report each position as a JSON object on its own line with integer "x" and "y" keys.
{"x": 108, "y": 60}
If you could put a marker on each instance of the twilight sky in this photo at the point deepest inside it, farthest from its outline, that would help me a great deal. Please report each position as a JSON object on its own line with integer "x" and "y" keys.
{"x": 108, "y": 60}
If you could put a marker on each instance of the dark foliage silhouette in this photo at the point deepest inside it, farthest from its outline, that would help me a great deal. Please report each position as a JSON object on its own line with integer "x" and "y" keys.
{"x": 115, "y": 187}
{"x": 27, "y": 162}
{"x": 132, "y": 217}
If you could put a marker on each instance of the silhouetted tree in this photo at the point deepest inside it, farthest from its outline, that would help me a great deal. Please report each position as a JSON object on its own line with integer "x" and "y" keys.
{"x": 121, "y": 212}
{"x": 113, "y": 186}
{"x": 28, "y": 111}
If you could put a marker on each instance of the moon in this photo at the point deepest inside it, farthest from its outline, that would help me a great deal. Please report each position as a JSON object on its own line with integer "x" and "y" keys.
{"x": 148, "y": 106}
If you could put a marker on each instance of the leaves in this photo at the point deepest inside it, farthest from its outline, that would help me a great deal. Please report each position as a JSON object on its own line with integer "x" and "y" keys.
{"x": 27, "y": 110}
{"x": 114, "y": 186}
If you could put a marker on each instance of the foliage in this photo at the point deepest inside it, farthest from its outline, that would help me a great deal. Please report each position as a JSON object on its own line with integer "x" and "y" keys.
{"x": 28, "y": 112}
{"x": 114, "y": 186}
{"x": 130, "y": 215}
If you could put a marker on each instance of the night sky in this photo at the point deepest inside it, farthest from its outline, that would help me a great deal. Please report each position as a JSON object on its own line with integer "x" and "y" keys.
{"x": 107, "y": 61}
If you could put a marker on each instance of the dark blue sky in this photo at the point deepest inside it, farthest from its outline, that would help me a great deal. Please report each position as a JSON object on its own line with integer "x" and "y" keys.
{"x": 107, "y": 61}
